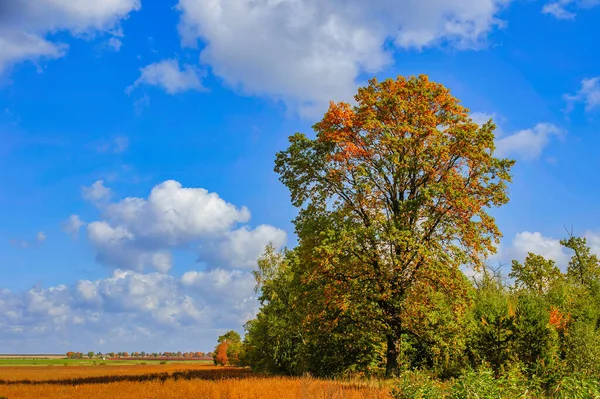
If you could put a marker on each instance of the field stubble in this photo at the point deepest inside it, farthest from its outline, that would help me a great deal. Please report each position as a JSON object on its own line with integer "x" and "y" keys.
{"x": 171, "y": 381}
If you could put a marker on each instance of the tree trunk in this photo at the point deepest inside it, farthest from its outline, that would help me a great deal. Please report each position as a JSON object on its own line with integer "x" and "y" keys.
{"x": 392, "y": 353}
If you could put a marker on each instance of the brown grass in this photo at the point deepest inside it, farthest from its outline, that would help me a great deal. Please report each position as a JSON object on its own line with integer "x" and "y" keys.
{"x": 171, "y": 381}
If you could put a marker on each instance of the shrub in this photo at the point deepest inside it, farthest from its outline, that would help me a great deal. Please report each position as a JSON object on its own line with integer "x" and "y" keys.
{"x": 476, "y": 385}
{"x": 416, "y": 385}
{"x": 576, "y": 387}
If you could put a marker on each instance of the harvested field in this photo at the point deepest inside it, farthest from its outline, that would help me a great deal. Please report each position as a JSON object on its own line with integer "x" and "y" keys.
{"x": 171, "y": 381}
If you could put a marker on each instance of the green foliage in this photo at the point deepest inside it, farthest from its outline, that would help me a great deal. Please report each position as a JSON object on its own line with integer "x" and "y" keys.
{"x": 393, "y": 196}
{"x": 576, "y": 387}
{"x": 230, "y": 336}
{"x": 417, "y": 385}
{"x": 476, "y": 385}
{"x": 535, "y": 274}
{"x": 582, "y": 349}
{"x": 584, "y": 266}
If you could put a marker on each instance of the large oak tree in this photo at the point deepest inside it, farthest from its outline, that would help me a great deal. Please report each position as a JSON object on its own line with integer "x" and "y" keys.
{"x": 394, "y": 195}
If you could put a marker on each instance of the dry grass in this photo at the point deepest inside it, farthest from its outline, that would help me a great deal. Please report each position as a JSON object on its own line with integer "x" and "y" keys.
{"x": 171, "y": 381}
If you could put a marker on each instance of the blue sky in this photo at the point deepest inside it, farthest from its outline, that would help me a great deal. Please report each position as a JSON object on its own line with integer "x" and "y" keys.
{"x": 138, "y": 139}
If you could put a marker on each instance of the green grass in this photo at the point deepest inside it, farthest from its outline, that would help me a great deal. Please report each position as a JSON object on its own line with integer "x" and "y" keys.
{"x": 85, "y": 362}
{"x": 59, "y": 362}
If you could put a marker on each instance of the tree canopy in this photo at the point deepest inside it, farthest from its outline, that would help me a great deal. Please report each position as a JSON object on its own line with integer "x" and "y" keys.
{"x": 394, "y": 195}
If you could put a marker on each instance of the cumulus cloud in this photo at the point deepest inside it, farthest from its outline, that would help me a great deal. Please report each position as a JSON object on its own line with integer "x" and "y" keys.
{"x": 168, "y": 75}
{"x": 588, "y": 94}
{"x": 146, "y": 311}
{"x": 138, "y": 232}
{"x": 307, "y": 52}
{"x": 25, "y": 25}
{"x": 72, "y": 225}
{"x": 535, "y": 242}
{"x": 97, "y": 192}
{"x": 528, "y": 143}
{"x": 549, "y": 247}
{"x": 241, "y": 247}
{"x": 565, "y": 9}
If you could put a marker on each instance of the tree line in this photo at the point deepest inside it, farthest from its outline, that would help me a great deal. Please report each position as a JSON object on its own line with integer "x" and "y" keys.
{"x": 394, "y": 197}
{"x": 142, "y": 354}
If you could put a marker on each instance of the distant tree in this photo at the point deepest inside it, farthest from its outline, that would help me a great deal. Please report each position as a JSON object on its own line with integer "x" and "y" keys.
{"x": 584, "y": 267}
{"x": 230, "y": 336}
{"x": 220, "y": 356}
{"x": 233, "y": 347}
{"x": 90, "y": 354}
{"x": 536, "y": 273}
{"x": 143, "y": 354}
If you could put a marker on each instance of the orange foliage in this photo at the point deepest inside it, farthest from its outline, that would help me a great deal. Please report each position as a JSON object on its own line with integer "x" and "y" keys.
{"x": 221, "y": 355}
{"x": 557, "y": 319}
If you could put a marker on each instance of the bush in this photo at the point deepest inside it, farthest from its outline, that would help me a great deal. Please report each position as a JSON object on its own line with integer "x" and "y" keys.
{"x": 576, "y": 387}
{"x": 417, "y": 385}
{"x": 476, "y": 385}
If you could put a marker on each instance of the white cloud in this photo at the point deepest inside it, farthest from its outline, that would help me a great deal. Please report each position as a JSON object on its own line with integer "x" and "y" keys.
{"x": 539, "y": 244}
{"x": 25, "y": 25}
{"x": 97, "y": 192}
{"x": 308, "y": 52}
{"x": 137, "y": 232}
{"x": 242, "y": 247}
{"x": 72, "y": 225}
{"x": 146, "y": 311}
{"x": 41, "y": 236}
{"x": 548, "y": 247}
{"x": 162, "y": 261}
{"x": 565, "y": 9}
{"x": 143, "y": 311}
{"x": 588, "y": 94}
{"x": 169, "y": 76}
{"x": 175, "y": 214}
{"x": 527, "y": 143}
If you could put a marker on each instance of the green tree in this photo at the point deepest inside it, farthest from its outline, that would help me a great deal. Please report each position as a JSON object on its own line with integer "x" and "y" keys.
{"x": 584, "y": 266}
{"x": 230, "y": 345}
{"x": 393, "y": 191}
{"x": 90, "y": 354}
{"x": 492, "y": 338}
{"x": 536, "y": 274}
{"x": 273, "y": 339}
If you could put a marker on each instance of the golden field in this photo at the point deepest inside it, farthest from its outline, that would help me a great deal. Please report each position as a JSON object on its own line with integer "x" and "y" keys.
{"x": 170, "y": 381}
